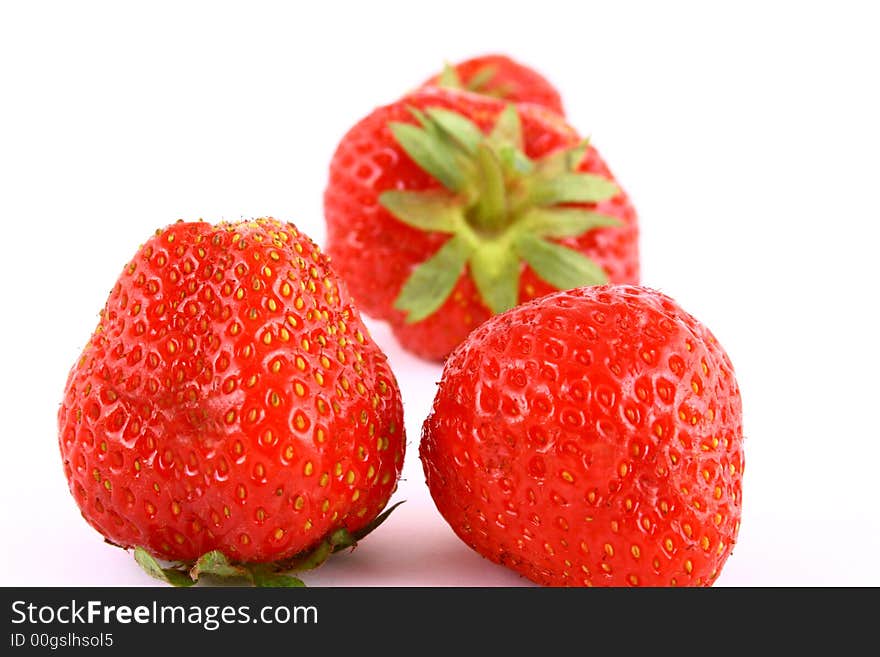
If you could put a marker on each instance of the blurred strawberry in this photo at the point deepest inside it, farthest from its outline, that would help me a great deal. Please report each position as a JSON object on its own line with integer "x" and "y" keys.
{"x": 501, "y": 77}
{"x": 446, "y": 207}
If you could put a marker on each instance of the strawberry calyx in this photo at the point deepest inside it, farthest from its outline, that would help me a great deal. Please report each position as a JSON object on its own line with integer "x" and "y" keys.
{"x": 273, "y": 574}
{"x": 480, "y": 82}
{"x": 500, "y": 208}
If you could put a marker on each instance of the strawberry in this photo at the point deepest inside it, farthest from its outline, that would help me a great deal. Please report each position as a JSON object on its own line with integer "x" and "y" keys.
{"x": 446, "y": 207}
{"x": 231, "y": 408}
{"x": 591, "y": 437}
{"x": 501, "y": 77}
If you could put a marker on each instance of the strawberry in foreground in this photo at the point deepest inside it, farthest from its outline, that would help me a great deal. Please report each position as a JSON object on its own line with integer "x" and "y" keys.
{"x": 501, "y": 77}
{"x": 231, "y": 413}
{"x": 591, "y": 437}
{"x": 446, "y": 207}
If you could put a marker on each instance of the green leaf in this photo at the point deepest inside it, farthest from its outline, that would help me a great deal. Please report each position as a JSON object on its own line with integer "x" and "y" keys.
{"x": 310, "y": 560}
{"x": 432, "y": 281}
{"x": 464, "y": 131}
{"x": 564, "y": 222}
{"x": 431, "y": 210}
{"x": 571, "y": 188}
{"x": 481, "y": 78}
{"x": 507, "y": 129}
{"x": 422, "y": 118}
{"x": 514, "y": 162}
{"x": 560, "y": 266}
{"x": 491, "y": 209}
{"x": 216, "y": 563}
{"x": 431, "y": 153}
{"x": 449, "y": 77}
{"x": 169, "y": 575}
{"x": 378, "y": 520}
{"x": 341, "y": 539}
{"x": 495, "y": 269}
{"x": 266, "y": 579}
{"x": 565, "y": 160}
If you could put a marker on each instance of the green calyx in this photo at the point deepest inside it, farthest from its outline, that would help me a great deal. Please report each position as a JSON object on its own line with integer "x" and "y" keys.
{"x": 500, "y": 208}
{"x": 478, "y": 83}
{"x": 275, "y": 574}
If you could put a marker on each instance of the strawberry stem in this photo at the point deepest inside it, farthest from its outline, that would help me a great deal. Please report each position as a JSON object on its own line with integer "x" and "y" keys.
{"x": 498, "y": 206}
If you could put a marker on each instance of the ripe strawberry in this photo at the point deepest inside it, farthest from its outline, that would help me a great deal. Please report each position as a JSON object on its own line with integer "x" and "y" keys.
{"x": 231, "y": 406}
{"x": 501, "y": 77}
{"x": 446, "y": 207}
{"x": 591, "y": 437}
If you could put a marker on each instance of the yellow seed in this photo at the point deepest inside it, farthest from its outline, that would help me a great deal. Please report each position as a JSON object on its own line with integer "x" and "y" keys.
{"x": 308, "y": 469}
{"x": 636, "y": 552}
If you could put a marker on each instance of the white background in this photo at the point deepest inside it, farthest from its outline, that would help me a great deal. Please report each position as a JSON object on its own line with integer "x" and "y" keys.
{"x": 747, "y": 136}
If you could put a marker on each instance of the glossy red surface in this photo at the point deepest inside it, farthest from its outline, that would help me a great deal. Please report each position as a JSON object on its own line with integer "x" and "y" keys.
{"x": 376, "y": 253}
{"x": 591, "y": 437}
{"x": 230, "y": 398}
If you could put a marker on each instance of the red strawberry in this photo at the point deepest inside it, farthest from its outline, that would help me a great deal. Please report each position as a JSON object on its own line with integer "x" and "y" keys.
{"x": 501, "y": 77}
{"x": 446, "y": 207}
{"x": 231, "y": 400}
{"x": 591, "y": 437}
